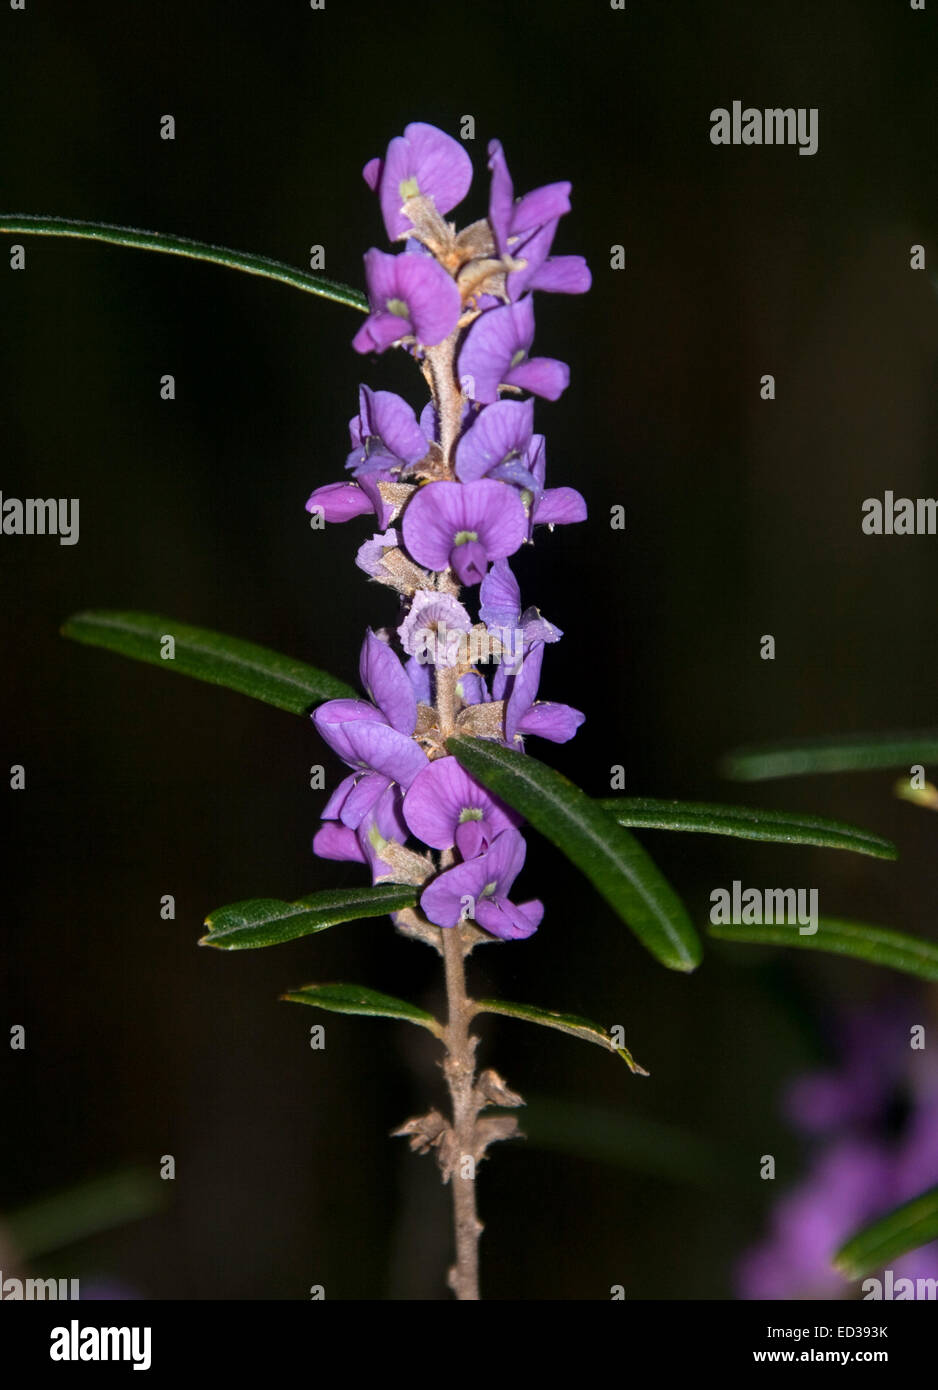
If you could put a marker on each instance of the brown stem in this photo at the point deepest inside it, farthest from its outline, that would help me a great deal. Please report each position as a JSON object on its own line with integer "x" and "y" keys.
{"x": 459, "y": 1069}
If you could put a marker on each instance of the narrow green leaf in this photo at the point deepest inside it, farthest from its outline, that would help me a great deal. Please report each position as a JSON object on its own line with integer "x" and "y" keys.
{"x": 848, "y": 753}
{"x": 268, "y": 921}
{"x": 564, "y": 1023}
{"x": 611, "y": 858}
{"x": 876, "y": 945}
{"x": 72, "y": 1215}
{"x": 905, "y": 1228}
{"x": 355, "y": 999}
{"x": 746, "y": 823}
{"x": 209, "y": 656}
{"x": 611, "y": 1135}
{"x": 171, "y": 245}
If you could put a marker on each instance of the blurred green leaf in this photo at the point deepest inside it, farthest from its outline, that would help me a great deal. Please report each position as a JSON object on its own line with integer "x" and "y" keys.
{"x": 268, "y": 921}
{"x": 29, "y": 225}
{"x": 611, "y": 858}
{"x": 627, "y": 1141}
{"x": 746, "y": 823}
{"x": 100, "y": 1204}
{"x": 876, "y": 945}
{"x": 355, "y": 999}
{"x": 848, "y": 753}
{"x": 564, "y": 1023}
{"x": 209, "y": 656}
{"x": 906, "y": 1228}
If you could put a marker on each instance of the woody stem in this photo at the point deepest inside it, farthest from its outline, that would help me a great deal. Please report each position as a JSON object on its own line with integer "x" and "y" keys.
{"x": 459, "y": 1069}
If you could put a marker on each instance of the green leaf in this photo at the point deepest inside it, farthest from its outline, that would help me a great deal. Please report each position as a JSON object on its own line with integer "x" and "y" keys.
{"x": 746, "y": 823}
{"x": 355, "y": 999}
{"x": 268, "y": 921}
{"x": 209, "y": 656}
{"x": 876, "y": 945}
{"x": 849, "y": 753}
{"x": 68, "y": 1217}
{"x": 608, "y": 1134}
{"x": 611, "y": 858}
{"x": 906, "y": 1228}
{"x": 170, "y": 245}
{"x": 564, "y": 1023}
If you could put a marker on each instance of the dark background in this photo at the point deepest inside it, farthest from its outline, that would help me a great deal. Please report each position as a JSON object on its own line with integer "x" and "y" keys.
{"x": 743, "y": 518}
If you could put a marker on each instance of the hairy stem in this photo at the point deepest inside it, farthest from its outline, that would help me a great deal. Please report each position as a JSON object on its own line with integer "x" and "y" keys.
{"x": 459, "y": 1069}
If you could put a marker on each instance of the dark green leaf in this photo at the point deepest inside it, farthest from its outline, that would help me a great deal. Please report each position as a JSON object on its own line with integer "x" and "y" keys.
{"x": 66, "y": 1218}
{"x": 564, "y": 1023}
{"x": 27, "y": 224}
{"x": 877, "y": 945}
{"x": 746, "y": 823}
{"x": 268, "y": 921}
{"x": 906, "y": 1228}
{"x": 611, "y": 858}
{"x": 209, "y": 656}
{"x": 355, "y": 999}
{"x": 612, "y": 1135}
{"x": 849, "y": 753}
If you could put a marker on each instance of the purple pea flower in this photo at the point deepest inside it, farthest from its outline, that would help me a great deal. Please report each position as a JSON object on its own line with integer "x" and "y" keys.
{"x": 464, "y": 525}
{"x": 342, "y": 501}
{"x": 386, "y": 439}
{"x": 495, "y": 354}
{"x": 410, "y": 296}
{"x": 423, "y": 162}
{"x": 382, "y": 823}
{"x": 524, "y": 714}
{"x": 524, "y": 229}
{"x": 370, "y": 554}
{"x": 496, "y": 444}
{"x": 444, "y": 806}
{"x": 373, "y": 738}
{"x": 551, "y": 506}
{"x": 434, "y": 631}
{"x": 500, "y": 610}
{"x": 486, "y": 881}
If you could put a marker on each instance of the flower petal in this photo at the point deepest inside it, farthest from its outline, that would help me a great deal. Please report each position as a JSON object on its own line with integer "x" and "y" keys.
{"x": 385, "y": 681}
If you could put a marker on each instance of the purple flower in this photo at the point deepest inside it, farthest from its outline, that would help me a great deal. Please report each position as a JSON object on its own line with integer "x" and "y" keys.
{"x": 558, "y": 723}
{"x": 495, "y": 354}
{"x": 382, "y": 824}
{"x": 464, "y": 525}
{"x": 373, "y": 738}
{"x": 812, "y": 1221}
{"x": 386, "y": 439}
{"x": 551, "y": 506}
{"x": 524, "y": 229}
{"x": 370, "y": 554}
{"x": 411, "y": 296}
{"x": 500, "y": 610}
{"x": 444, "y": 806}
{"x": 434, "y": 631}
{"x": 479, "y": 888}
{"x": 423, "y": 162}
{"x": 863, "y": 1165}
{"x": 342, "y": 501}
{"x": 496, "y": 444}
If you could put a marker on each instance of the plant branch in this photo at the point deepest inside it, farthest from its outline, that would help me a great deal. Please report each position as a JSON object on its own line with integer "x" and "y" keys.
{"x": 459, "y": 1070}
